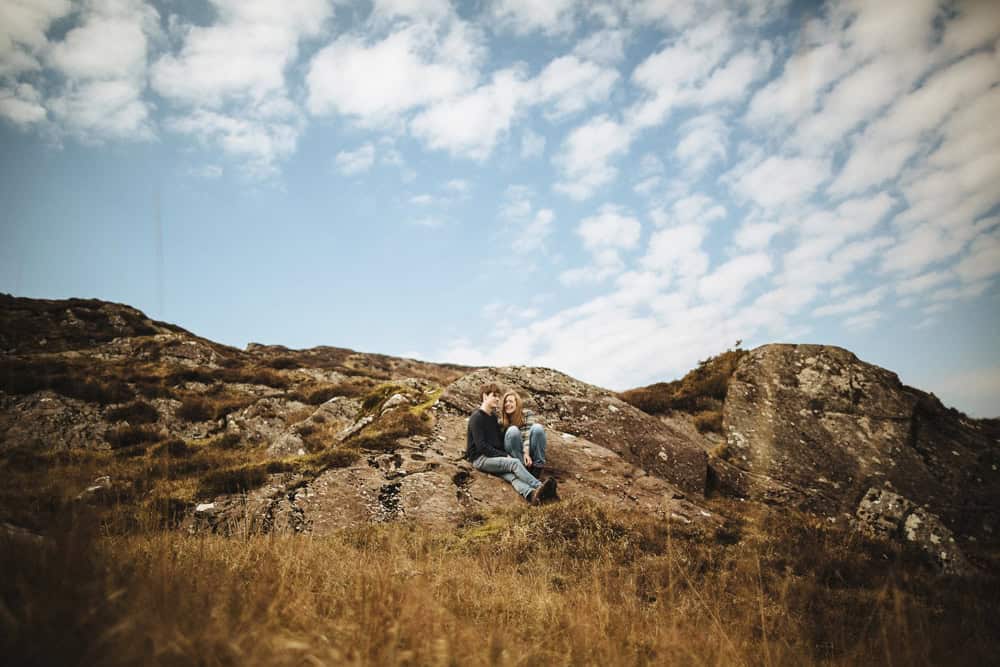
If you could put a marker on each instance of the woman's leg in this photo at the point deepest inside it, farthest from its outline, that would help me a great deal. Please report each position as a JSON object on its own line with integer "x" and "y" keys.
{"x": 514, "y": 444}
{"x": 537, "y": 444}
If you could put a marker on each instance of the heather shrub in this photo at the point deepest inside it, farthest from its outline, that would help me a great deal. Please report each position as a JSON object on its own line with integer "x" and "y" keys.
{"x": 702, "y": 389}
{"x": 137, "y": 412}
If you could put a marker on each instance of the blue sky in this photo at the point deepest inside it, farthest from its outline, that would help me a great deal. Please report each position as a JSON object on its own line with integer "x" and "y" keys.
{"x": 614, "y": 189}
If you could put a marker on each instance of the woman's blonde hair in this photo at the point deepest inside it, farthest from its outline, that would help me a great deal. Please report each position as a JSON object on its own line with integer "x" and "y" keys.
{"x": 517, "y": 417}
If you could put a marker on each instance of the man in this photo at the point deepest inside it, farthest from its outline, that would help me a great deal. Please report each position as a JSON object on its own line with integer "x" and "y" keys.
{"x": 484, "y": 448}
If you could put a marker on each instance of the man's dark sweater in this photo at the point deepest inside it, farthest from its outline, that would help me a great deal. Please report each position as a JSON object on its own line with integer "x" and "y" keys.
{"x": 483, "y": 437}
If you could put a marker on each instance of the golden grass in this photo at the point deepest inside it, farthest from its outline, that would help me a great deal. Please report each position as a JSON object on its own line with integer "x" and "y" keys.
{"x": 559, "y": 585}
{"x": 702, "y": 389}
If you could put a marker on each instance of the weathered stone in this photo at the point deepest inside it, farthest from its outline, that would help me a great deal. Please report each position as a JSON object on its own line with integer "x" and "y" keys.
{"x": 887, "y": 514}
{"x": 815, "y": 427}
{"x": 570, "y": 406}
{"x": 432, "y": 484}
{"x": 395, "y": 401}
{"x": 47, "y": 421}
{"x": 263, "y": 422}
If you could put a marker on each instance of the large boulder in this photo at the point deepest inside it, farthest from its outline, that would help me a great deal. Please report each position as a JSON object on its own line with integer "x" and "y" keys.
{"x": 815, "y": 427}
{"x": 426, "y": 480}
{"x": 565, "y": 404}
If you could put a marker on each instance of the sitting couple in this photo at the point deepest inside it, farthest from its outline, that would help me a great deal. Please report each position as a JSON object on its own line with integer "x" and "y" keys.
{"x": 517, "y": 455}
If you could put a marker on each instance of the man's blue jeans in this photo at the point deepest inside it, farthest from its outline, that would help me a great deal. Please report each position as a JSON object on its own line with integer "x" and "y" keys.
{"x": 514, "y": 444}
{"x": 509, "y": 469}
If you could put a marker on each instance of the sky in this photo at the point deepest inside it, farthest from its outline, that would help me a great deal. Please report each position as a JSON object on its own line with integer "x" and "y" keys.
{"x": 616, "y": 189}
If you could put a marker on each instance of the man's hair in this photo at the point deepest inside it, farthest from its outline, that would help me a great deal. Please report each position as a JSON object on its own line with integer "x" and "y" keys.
{"x": 488, "y": 388}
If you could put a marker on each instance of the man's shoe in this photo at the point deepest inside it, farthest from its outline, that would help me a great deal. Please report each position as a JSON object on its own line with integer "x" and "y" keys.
{"x": 534, "y": 498}
{"x": 547, "y": 491}
{"x": 537, "y": 471}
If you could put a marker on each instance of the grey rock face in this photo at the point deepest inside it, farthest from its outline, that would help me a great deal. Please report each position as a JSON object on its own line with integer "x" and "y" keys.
{"x": 815, "y": 427}
{"x": 887, "y": 514}
{"x": 427, "y": 480}
{"x": 47, "y": 421}
{"x": 597, "y": 415}
{"x": 263, "y": 421}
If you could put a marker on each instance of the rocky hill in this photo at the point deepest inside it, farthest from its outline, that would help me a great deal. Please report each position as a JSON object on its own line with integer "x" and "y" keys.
{"x": 155, "y": 426}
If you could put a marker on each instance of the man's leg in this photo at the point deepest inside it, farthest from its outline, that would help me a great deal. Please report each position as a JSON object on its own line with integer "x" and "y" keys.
{"x": 513, "y": 471}
{"x": 514, "y": 444}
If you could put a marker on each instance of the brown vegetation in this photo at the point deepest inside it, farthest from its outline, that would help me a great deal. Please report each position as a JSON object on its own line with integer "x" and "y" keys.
{"x": 137, "y": 412}
{"x": 316, "y": 394}
{"x": 700, "y": 391}
{"x": 564, "y": 584}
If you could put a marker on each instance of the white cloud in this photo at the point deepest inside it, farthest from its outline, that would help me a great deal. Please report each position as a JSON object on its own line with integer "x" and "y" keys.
{"x": 102, "y": 61}
{"x": 732, "y": 81}
{"x": 794, "y": 93}
{"x": 209, "y": 172}
{"x": 923, "y": 282}
{"x": 697, "y": 209}
{"x": 429, "y": 222}
{"x": 229, "y": 78}
{"x": 585, "y": 154}
{"x": 672, "y": 13}
{"x": 603, "y": 46}
{"x": 23, "y": 24}
{"x": 356, "y": 161}
{"x": 977, "y": 23}
{"x": 853, "y": 100}
{"x": 726, "y": 283}
{"x": 21, "y": 105}
{"x": 647, "y": 185}
{"x": 879, "y": 153}
{"x": 532, "y": 237}
{"x": 457, "y": 185}
{"x": 532, "y": 145}
{"x": 610, "y": 228}
{"x": 677, "y": 251}
{"x": 859, "y": 302}
{"x": 242, "y": 56}
{"x": 756, "y": 235}
{"x": 703, "y": 142}
{"x": 374, "y": 83}
{"x": 778, "y": 181}
{"x": 527, "y": 16}
{"x": 604, "y": 235}
{"x": 923, "y": 246}
{"x": 862, "y": 321}
{"x": 982, "y": 260}
{"x": 261, "y": 144}
{"x": 425, "y": 10}
{"x": 471, "y": 125}
{"x": 568, "y": 84}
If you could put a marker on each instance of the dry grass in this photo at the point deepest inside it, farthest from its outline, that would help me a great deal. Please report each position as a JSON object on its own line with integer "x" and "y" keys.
{"x": 560, "y": 585}
{"x": 701, "y": 390}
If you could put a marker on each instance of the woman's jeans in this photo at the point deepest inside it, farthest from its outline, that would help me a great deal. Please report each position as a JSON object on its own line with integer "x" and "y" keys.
{"x": 509, "y": 469}
{"x": 514, "y": 444}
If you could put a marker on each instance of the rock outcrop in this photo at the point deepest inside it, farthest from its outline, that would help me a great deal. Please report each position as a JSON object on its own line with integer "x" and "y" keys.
{"x": 814, "y": 427}
{"x": 596, "y": 414}
{"x": 426, "y": 479}
{"x": 890, "y": 515}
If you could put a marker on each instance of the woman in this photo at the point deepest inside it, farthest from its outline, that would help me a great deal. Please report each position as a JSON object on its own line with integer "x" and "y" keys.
{"x": 523, "y": 438}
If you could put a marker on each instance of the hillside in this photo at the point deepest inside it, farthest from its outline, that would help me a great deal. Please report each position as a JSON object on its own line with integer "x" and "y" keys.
{"x": 798, "y": 482}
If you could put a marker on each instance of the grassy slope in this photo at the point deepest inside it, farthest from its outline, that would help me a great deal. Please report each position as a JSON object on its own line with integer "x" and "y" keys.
{"x": 565, "y": 584}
